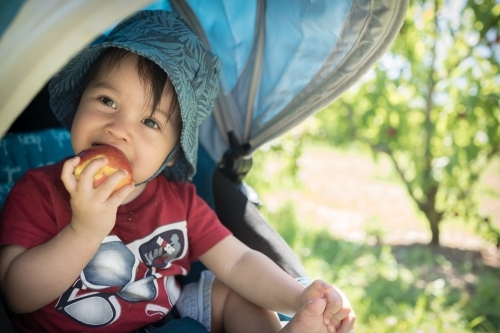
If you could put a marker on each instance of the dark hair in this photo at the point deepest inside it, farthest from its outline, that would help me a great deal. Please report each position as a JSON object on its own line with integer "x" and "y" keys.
{"x": 149, "y": 72}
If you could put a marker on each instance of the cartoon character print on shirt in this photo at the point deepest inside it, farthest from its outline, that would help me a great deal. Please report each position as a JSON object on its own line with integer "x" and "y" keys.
{"x": 119, "y": 274}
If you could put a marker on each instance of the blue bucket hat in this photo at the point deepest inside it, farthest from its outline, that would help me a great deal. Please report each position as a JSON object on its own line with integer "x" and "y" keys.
{"x": 164, "y": 38}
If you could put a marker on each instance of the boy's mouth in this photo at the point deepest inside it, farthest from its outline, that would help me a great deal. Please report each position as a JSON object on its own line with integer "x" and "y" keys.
{"x": 96, "y": 144}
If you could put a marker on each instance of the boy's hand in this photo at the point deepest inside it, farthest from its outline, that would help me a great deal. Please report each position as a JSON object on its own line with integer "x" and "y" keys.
{"x": 93, "y": 209}
{"x": 338, "y": 316}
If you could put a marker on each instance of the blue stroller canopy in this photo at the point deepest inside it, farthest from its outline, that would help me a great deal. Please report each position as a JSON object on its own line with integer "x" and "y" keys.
{"x": 283, "y": 60}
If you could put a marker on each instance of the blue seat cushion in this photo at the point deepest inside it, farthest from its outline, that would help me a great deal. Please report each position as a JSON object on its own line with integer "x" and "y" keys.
{"x": 22, "y": 151}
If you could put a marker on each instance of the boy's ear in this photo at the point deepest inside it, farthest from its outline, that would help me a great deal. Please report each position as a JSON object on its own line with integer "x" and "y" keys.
{"x": 172, "y": 160}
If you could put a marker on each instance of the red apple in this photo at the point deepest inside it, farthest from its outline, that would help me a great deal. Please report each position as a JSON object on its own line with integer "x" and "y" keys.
{"x": 116, "y": 161}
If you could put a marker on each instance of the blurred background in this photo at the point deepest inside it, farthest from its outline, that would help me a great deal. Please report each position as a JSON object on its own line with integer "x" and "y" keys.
{"x": 393, "y": 192}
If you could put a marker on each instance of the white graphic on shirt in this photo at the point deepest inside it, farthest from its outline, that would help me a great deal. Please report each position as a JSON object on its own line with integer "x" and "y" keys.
{"x": 165, "y": 245}
{"x": 154, "y": 309}
{"x": 115, "y": 266}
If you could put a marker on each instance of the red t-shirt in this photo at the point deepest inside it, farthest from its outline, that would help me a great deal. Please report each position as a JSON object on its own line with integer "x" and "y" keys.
{"x": 130, "y": 280}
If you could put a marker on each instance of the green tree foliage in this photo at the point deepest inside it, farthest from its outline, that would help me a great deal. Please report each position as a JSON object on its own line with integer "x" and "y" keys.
{"x": 432, "y": 105}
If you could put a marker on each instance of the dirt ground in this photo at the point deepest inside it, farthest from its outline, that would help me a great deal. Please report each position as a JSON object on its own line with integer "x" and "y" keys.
{"x": 358, "y": 199}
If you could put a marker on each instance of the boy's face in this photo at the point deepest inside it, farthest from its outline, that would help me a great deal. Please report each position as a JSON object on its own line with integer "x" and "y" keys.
{"x": 115, "y": 110}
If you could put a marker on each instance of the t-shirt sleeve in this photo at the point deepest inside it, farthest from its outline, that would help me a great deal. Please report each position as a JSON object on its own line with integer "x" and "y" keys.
{"x": 27, "y": 217}
{"x": 204, "y": 228}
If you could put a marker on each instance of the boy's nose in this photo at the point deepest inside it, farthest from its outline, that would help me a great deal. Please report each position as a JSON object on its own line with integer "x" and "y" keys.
{"x": 120, "y": 128}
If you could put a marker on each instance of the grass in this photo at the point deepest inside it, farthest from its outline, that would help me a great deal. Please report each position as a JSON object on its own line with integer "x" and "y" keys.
{"x": 410, "y": 288}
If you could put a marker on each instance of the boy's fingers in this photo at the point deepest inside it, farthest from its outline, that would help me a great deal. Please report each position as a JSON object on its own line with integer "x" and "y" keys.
{"x": 333, "y": 325}
{"x": 86, "y": 177}
{"x": 70, "y": 165}
{"x": 122, "y": 193}
{"x": 108, "y": 186}
{"x": 335, "y": 305}
{"x": 318, "y": 288}
{"x": 322, "y": 286}
{"x": 337, "y": 318}
{"x": 347, "y": 324}
{"x": 68, "y": 168}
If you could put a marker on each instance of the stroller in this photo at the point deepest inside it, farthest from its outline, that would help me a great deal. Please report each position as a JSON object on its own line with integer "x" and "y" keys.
{"x": 283, "y": 60}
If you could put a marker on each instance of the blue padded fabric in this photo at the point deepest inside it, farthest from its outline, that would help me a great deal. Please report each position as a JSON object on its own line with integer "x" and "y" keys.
{"x": 22, "y": 151}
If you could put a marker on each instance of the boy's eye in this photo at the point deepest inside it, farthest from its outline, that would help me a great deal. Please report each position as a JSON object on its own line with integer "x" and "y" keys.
{"x": 150, "y": 123}
{"x": 108, "y": 102}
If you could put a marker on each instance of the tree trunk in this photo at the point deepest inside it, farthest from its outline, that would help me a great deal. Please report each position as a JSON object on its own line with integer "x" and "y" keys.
{"x": 434, "y": 224}
{"x": 434, "y": 217}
